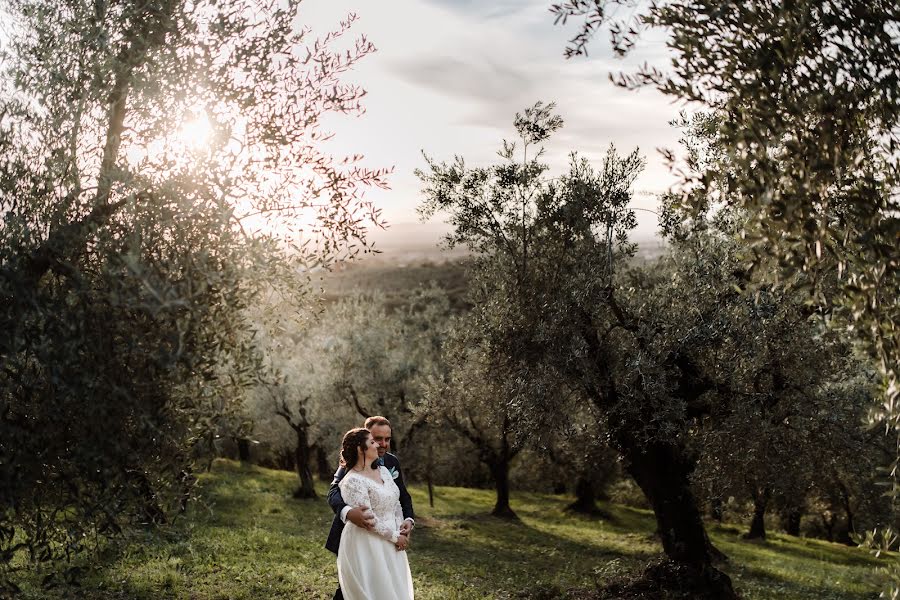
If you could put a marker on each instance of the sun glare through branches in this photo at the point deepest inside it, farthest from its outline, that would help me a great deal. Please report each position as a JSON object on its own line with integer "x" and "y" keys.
{"x": 196, "y": 131}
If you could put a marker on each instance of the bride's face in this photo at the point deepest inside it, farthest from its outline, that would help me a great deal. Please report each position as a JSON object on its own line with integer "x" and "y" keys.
{"x": 371, "y": 452}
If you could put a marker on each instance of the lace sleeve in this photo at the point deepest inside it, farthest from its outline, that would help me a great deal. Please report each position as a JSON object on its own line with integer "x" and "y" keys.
{"x": 386, "y": 531}
{"x": 355, "y": 492}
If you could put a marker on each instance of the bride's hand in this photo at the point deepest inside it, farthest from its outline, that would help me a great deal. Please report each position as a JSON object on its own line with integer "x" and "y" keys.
{"x": 402, "y": 542}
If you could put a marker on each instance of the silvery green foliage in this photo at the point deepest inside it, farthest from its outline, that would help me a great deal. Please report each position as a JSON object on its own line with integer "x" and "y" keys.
{"x": 477, "y": 400}
{"x": 658, "y": 353}
{"x": 551, "y": 316}
{"x": 542, "y": 245}
{"x": 807, "y": 96}
{"x": 380, "y": 356}
{"x": 129, "y": 252}
{"x": 356, "y": 357}
{"x": 789, "y": 386}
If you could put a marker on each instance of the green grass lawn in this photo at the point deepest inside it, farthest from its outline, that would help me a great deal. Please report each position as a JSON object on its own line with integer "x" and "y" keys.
{"x": 255, "y": 541}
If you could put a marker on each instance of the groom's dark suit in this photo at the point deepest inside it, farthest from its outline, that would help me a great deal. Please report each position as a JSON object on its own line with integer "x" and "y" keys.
{"x": 337, "y": 502}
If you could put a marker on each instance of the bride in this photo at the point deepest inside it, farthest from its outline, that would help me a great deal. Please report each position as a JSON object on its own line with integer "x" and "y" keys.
{"x": 372, "y": 565}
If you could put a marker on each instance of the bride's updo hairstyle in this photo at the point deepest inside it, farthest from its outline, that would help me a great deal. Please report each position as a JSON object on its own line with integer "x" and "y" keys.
{"x": 354, "y": 440}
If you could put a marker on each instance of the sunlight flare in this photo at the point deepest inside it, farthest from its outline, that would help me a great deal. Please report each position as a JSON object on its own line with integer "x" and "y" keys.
{"x": 196, "y": 131}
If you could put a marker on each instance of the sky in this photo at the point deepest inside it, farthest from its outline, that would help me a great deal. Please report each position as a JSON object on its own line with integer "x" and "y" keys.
{"x": 449, "y": 75}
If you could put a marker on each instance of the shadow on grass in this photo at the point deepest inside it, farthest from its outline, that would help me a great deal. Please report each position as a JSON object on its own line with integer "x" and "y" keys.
{"x": 473, "y": 549}
{"x": 825, "y": 551}
{"x": 802, "y": 549}
{"x": 758, "y": 582}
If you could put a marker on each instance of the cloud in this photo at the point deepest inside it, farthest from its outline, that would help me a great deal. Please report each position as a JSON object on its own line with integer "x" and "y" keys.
{"x": 493, "y": 9}
{"x": 481, "y": 79}
{"x": 450, "y": 75}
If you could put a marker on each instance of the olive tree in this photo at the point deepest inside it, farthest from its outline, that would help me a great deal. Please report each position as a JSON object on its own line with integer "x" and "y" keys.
{"x": 292, "y": 410}
{"x": 476, "y": 398}
{"x": 579, "y": 447}
{"x": 774, "y": 367}
{"x": 809, "y": 138}
{"x": 550, "y": 250}
{"x": 848, "y": 483}
{"x": 378, "y": 359}
{"x": 161, "y": 163}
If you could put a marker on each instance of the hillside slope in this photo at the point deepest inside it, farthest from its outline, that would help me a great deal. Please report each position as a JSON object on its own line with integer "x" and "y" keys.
{"x": 254, "y": 541}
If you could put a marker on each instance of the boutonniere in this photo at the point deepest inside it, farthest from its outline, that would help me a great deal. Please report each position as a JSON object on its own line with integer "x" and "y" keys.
{"x": 394, "y": 472}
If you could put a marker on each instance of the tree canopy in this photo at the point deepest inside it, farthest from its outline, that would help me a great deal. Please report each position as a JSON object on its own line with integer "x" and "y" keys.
{"x": 161, "y": 165}
{"x": 806, "y": 104}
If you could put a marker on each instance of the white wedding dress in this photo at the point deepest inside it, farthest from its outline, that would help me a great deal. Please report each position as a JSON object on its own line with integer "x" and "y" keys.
{"x": 369, "y": 565}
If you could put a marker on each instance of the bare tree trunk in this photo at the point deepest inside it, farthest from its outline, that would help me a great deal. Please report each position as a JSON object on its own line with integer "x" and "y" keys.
{"x": 716, "y": 508}
{"x": 829, "y": 522}
{"x": 429, "y": 467}
{"x": 847, "y": 537}
{"x": 285, "y": 460}
{"x": 758, "y": 524}
{"x": 790, "y": 520}
{"x": 662, "y": 471}
{"x": 662, "y": 468}
{"x": 353, "y": 398}
{"x": 243, "y": 445}
{"x": 303, "y": 451}
{"x": 211, "y": 449}
{"x": 322, "y": 465}
{"x": 500, "y": 472}
{"x": 585, "y": 497}
{"x": 303, "y": 454}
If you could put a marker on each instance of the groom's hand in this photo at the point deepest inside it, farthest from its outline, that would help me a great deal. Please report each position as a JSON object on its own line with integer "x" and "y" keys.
{"x": 406, "y": 528}
{"x": 361, "y": 517}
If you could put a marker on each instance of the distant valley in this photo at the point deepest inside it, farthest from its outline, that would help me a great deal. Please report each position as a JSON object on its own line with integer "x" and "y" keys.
{"x": 413, "y": 254}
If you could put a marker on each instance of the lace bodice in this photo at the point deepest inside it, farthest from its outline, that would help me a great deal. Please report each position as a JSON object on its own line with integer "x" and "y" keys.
{"x": 383, "y": 499}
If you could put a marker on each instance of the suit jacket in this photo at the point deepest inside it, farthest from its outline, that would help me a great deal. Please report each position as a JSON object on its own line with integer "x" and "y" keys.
{"x": 337, "y": 503}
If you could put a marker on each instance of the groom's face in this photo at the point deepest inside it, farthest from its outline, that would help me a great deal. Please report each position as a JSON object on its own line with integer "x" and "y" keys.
{"x": 382, "y": 435}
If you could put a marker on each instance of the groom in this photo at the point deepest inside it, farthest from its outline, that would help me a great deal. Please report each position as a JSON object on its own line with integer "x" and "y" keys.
{"x": 381, "y": 433}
